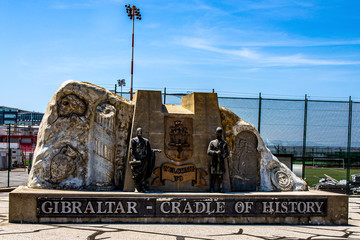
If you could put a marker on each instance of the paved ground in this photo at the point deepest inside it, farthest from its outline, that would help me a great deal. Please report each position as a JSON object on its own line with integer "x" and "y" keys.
{"x": 17, "y": 177}
{"x": 171, "y": 231}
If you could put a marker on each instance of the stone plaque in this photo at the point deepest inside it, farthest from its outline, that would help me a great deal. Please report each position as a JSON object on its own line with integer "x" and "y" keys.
{"x": 183, "y": 173}
{"x": 178, "y": 138}
{"x": 181, "y": 207}
{"x": 244, "y": 167}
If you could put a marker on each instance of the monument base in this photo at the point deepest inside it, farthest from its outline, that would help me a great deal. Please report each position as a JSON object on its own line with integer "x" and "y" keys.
{"x": 60, "y": 206}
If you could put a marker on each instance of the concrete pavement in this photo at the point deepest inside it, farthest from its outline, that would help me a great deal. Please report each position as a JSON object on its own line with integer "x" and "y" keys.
{"x": 176, "y": 231}
{"x": 17, "y": 177}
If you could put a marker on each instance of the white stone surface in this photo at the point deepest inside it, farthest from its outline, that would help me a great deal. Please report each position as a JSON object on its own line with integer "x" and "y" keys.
{"x": 268, "y": 162}
{"x": 67, "y": 136}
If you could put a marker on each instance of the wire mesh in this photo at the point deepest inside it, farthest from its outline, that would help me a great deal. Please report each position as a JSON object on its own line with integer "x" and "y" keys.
{"x": 246, "y": 109}
{"x": 327, "y": 124}
{"x": 282, "y": 123}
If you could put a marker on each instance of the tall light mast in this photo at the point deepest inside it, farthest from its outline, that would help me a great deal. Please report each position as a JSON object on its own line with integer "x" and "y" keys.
{"x": 133, "y": 12}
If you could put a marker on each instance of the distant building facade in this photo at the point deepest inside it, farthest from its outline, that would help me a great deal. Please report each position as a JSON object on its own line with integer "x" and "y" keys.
{"x": 10, "y": 115}
{"x": 22, "y": 145}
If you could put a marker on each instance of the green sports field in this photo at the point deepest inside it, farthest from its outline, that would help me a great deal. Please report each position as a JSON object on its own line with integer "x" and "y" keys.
{"x": 313, "y": 175}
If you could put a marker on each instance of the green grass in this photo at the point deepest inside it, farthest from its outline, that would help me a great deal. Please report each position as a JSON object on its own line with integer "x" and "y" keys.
{"x": 313, "y": 175}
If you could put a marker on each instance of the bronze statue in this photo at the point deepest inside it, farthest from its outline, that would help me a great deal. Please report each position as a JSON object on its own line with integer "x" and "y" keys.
{"x": 143, "y": 161}
{"x": 218, "y": 149}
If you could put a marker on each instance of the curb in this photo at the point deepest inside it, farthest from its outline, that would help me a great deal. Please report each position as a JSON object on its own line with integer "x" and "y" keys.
{"x": 9, "y": 189}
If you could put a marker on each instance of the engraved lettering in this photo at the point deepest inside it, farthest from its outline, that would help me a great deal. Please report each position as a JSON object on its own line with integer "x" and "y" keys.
{"x": 199, "y": 207}
{"x": 239, "y": 207}
{"x": 65, "y": 207}
{"x": 220, "y": 207}
{"x": 131, "y": 207}
{"x": 188, "y": 208}
{"x": 120, "y": 208}
{"x": 89, "y": 208}
{"x": 175, "y": 207}
{"x": 208, "y": 208}
{"x": 301, "y": 207}
{"x": 284, "y": 207}
{"x": 162, "y": 205}
{"x": 277, "y": 206}
{"x": 319, "y": 205}
{"x": 110, "y": 206}
{"x": 45, "y": 209}
{"x": 100, "y": 206}
{"x": 267, "y": 207}
{"x": 248, "y": 206}
{"x": 310, "y": 205}
{"x": 76, "y": 207}
{"x": 292, "y": 205}
{"x": 56, "y": 207}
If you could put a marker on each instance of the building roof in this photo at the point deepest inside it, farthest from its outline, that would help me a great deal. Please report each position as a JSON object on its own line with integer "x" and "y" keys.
{"x": 11, "y": 108}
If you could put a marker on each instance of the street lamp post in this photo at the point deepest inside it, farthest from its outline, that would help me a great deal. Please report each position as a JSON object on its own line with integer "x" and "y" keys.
{"x": 132, "y": 12}
{"x": 121, "y": 83}
{"x": 9, "y": 155}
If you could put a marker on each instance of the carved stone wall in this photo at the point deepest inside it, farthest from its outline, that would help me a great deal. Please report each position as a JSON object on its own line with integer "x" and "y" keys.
{"x": 82, "y": 140}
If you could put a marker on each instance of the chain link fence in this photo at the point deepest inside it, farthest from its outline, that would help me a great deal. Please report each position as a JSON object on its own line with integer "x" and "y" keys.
{"x": 320, "y": 138}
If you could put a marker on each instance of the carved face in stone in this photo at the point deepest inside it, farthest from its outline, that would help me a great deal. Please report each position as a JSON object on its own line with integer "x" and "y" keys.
{"x": 63, "y": 164}
{"x": 106, "y": 110}
{"x": 71, "y": 105}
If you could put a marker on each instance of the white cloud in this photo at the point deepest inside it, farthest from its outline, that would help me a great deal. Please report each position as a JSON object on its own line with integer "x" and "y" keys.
{"x": 261, "y": 58}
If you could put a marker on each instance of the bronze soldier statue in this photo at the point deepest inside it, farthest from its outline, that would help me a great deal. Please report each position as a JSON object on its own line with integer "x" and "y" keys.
{"x": 218, "y": 149}
{"x": 143, "y": 161}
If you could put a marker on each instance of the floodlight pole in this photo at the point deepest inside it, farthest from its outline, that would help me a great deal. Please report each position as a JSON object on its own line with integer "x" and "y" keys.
{"x": 121, "y": 83}
{"x": 132, "y": 12}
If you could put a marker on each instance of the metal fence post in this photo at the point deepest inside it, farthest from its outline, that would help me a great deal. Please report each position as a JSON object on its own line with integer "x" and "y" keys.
{"x": 164, "y": 95}
{"x": 349, "y": 148}
{"x": 9, "y": 157}
{"x": 259, "y": 114}
{"x": 304, "y": 136}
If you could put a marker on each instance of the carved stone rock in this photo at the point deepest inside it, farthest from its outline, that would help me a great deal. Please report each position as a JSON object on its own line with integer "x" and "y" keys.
{"x": 82, "y": 140}
{"x": 64, "y": 163}
{"x": 272, "y": 174}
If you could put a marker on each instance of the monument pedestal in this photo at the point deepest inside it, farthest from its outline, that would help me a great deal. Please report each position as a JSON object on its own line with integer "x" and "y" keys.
{"x": 61, "y": 206}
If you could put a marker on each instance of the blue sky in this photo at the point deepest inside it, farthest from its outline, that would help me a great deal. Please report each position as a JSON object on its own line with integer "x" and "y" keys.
{"x": 281, "y": 48}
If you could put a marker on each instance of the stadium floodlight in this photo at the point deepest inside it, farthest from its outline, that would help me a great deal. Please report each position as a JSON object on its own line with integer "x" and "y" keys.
{"x": 132, "y": 12}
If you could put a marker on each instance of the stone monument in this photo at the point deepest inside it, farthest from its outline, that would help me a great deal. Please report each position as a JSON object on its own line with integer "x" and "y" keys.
{"x": 94, "y": 163}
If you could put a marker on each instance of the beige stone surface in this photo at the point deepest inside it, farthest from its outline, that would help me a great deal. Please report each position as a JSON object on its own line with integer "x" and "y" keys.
{"x": 82, "y": 140}
{"x": 22, "y": 207}
{"x": 149, "y": 114}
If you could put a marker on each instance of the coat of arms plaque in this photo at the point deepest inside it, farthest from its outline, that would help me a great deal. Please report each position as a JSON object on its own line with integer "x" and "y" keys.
{"x": 178, "y": 138}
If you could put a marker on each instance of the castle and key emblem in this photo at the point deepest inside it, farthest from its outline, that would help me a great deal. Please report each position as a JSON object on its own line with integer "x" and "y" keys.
{"x": 178, "y": 138}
